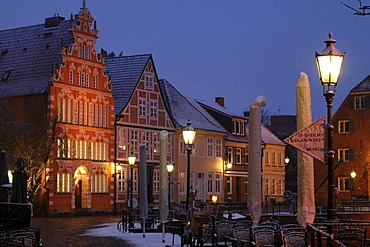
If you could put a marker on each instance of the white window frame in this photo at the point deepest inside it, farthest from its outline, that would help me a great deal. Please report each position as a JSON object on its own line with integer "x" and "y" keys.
{"x": 218, "y": 182}
{"x": 359, "y": 102}
{"x": 218, "y": 152}
{"x": 142, "y": 107}
{"x": 209, "y": 147}
{"x": 343, "y": 126}
{"x": 238, "y": 156}
{"x": 343, "y": 183}
{"x": 343, "y": 153}
{"x": 153, "y": 109}
{"x": 210, "y": 179}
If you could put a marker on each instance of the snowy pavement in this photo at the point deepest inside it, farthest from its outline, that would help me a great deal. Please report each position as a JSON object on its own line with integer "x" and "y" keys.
{"x": 137, "y": 239}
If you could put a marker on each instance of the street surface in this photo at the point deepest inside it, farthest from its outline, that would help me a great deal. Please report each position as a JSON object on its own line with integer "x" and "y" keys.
{"x": 68, "y": 231}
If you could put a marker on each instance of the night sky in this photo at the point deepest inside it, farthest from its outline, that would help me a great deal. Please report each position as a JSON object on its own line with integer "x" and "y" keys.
{"x": 238, "y": 49}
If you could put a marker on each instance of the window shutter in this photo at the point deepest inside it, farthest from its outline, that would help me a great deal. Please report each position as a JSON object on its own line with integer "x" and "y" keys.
{"x": 336, "y": 182}
{"x": 351, "y": 103}
{"x": 350, "y": 126}
{"x": 351, "y": 154}
{"x": 335, "y": 155}
{"x": 335, "y": 123}
{"x": 367, "y": 102}
{"x": 350, "y": 184}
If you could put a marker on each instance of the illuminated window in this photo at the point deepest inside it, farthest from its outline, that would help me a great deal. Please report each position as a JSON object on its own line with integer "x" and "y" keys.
{"x": 99, "y": 183}
{"x": 64, "y": 182}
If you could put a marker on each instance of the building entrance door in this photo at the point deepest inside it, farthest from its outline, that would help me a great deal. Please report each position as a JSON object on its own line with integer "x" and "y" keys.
{"x": 81, "y": 188}
{"x": 78, "y": 192}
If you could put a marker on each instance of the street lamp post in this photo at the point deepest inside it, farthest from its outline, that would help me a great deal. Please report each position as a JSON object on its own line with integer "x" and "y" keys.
{"x": 214, "y": 202}
{"x": 131, "y": 162}
{"x": 353, "y": 176}
{"x": 329, "y": 63}
{"x": 170, "y": 167}
{"x": 188, "y": 134}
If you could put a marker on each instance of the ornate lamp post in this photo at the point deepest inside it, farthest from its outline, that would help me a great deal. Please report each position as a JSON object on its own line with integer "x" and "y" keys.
{"x": 188, "y": 134}
{"x": 170, "y": 167}
{"x": 329, "y": 63}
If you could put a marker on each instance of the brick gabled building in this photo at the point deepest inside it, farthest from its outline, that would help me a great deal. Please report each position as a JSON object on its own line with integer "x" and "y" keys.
{"x": 351, "y": 143}
{"x": 140, "y": 116}
{"x": 52, "y": 76}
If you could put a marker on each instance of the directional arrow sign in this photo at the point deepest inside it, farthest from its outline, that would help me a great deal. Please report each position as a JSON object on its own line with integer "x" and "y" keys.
{"x": 310, "y": 140}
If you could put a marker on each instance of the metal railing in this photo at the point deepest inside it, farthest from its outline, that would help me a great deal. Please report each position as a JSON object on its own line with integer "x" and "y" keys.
{"x": 318, "y": 233}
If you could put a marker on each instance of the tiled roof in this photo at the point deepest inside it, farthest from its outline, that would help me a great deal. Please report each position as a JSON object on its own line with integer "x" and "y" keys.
{"x": 215, "y": 106}
{"x": 29, "y": 53}
{"x": 364, "y": 85}
{"x": 269, "y": 138}
{"x": 183, "y": 109}
{"x": 125, "y": 72}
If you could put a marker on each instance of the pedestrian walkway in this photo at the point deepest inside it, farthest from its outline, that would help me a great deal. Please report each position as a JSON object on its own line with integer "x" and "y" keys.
{"x": 93, "y": 230}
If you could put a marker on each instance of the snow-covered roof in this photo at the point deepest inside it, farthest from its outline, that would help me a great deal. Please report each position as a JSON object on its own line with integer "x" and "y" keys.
{"x": 364, "y": 85}
{"x": 222, "y": 109}
{"x": 182, "y": 109}
{"x": 125, "y": 72}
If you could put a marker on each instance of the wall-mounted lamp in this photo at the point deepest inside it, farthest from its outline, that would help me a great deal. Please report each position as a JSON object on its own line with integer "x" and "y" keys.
{"x": 286, "y": 160}
{"x": 229, "y": 165}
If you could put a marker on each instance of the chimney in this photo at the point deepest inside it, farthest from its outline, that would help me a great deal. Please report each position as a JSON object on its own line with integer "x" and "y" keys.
{"x": 220, "y": 101}
{"x": 53, "y": 21}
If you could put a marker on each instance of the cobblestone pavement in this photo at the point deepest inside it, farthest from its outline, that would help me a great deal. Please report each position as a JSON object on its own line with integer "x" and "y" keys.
{"x": 66, "y": 231}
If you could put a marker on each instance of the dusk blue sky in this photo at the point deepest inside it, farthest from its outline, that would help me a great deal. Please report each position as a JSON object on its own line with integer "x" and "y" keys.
{"x": 238, "y": 49}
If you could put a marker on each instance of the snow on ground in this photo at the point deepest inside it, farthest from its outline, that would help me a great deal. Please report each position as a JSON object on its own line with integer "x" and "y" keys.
{"x": 137, "y": 239}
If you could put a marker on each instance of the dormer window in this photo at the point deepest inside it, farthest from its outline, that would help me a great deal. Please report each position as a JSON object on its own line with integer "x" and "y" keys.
{"x": 6, "y": 75}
